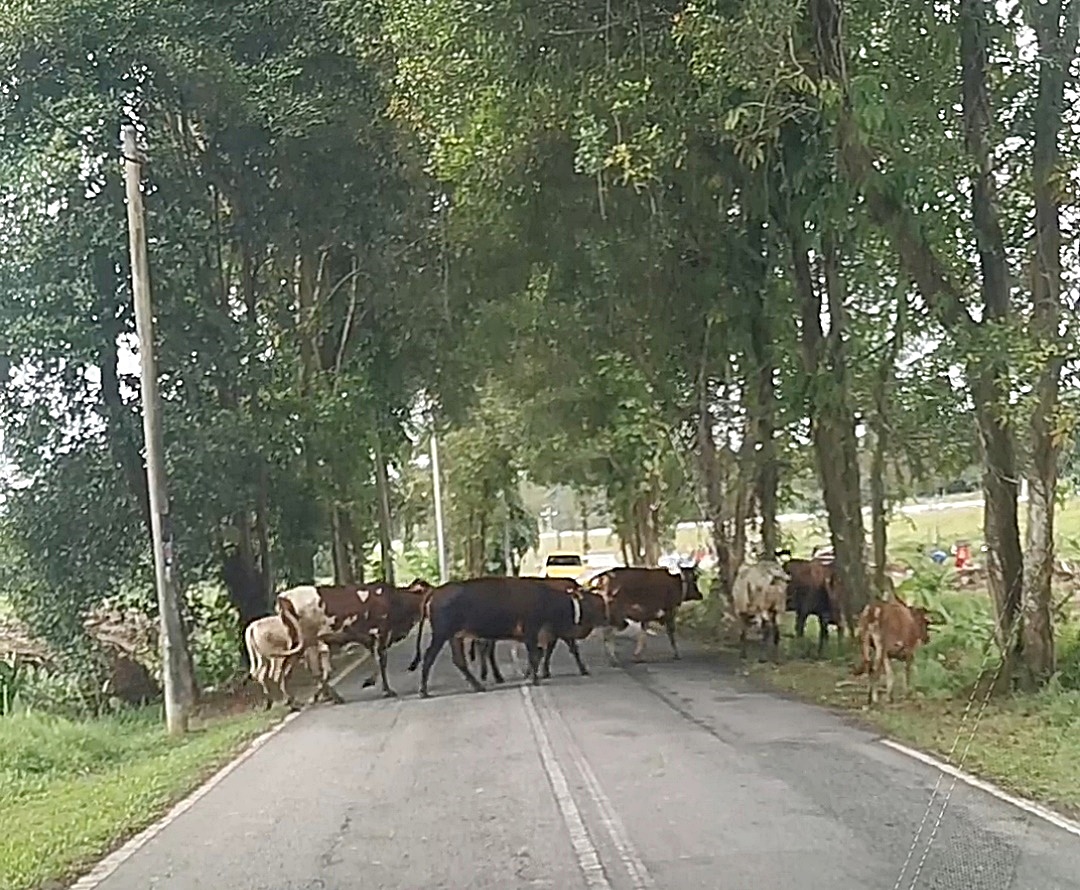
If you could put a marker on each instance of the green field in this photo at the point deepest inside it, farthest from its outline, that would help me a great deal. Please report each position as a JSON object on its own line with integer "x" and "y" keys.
{"x": 71, "y": 791}
{"x": 910, "y": 536}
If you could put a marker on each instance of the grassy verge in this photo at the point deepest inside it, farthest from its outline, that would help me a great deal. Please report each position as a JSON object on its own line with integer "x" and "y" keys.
{"x": 72, "y": 791}
{"x": 1029, "y": 745}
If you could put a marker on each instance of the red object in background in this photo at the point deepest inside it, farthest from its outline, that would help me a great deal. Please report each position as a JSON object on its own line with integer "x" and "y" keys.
{"x": 963, "y": 555}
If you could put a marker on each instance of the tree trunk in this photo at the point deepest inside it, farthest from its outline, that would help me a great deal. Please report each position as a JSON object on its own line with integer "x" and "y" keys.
{"x": 990, "y": 386}
{"x": 382, "y": 485}
{"x": 878, "y": 523}
{"x": 833, "y": 426}
{"x": 1057, "y": 39}
{"x": 343, "y": 569}
{"x": 761, "y": 387}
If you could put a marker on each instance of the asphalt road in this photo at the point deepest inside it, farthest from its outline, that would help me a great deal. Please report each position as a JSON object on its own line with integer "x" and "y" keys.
{"x": 666, "y": 775}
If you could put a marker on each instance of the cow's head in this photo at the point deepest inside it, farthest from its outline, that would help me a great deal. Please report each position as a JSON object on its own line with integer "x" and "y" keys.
{"x": 419, "y": 585}
{"x": 688, "y": 576}
{"x": 923, "y": 620}
{"x": 783, "y": 555}
{"x": 595, "y": 610}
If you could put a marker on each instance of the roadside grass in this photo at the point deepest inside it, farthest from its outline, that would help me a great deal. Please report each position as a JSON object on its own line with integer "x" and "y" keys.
{"x": 1027, "y": 744}
{"x": 72, "y": 791}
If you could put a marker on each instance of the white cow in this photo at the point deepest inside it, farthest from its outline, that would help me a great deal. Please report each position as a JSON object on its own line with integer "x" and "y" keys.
{"x": 759, "y": 597}
{"x": 271, "y": 649}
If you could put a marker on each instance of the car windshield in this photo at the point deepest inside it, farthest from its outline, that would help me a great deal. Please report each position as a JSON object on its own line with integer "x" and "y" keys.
{"x": 564, "y": 560}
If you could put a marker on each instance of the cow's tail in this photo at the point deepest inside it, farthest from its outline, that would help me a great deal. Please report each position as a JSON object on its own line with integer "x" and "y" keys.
{"x": 415, "y": 663}
{"x": 287, "y": 613}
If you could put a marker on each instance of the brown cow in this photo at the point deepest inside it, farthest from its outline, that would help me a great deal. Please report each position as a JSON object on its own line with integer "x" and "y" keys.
{"x": 496, "y": 608}
{"x": 643, "y": 595}
{"x": 374, "y": 615}
{"x": 815, "y": 589}
{"x": 887, "y": 631}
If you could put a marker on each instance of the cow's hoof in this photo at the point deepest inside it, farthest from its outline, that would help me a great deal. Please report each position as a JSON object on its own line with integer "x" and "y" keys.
{"x": 584, "y": 672}
{"x": 500, "y": 680}
{"x": 389, "y": 693}
{"x": 546, "y": 675}
{"x": 370, "y": 681}
{"x": 424, "y": 694}
{"x": 479, "y": 689}
{"x": 294, "y": 706}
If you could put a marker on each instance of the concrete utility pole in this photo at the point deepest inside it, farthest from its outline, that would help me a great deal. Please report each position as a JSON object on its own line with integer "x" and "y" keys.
{"x": 174, "y": 663}
{"x": 440, "y": 540}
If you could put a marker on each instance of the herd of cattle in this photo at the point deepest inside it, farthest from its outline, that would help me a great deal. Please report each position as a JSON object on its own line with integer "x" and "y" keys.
{"x": 539, "y": 612}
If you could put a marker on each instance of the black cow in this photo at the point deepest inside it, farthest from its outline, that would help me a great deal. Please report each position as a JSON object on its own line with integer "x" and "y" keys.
{"x": 593, "y": 615}
{"x": 499, "y": 608}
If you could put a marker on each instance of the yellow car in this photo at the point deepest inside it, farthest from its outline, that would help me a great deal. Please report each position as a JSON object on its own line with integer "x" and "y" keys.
{"x": 562, "y": 565}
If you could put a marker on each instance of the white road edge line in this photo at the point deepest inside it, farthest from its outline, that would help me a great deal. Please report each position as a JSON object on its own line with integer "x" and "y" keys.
{"x": 635, "y": 867}
{"x": 105, "y": 867}
{"x": 1028, "y": 806}
{"x": 587, "y": 855}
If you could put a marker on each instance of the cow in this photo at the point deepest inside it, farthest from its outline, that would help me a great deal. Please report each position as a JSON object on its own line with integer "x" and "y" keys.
{"x": 272, "y": 645}
{"x": 374, "y": 615}
{"x": 815, "y": 589}
{"x": 494, "y": 608}
{"x": 887, "y": 631}
{"x": 759, "y": 596}
{"x": 643, "y": 595}
{"x": 593, "y": 615}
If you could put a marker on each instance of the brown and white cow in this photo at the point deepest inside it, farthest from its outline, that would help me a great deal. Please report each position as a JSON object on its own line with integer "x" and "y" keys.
{"x": 495, "y": 608}
{"x": 374, "y": 615}
{"x": 593, "y": 616}
{"x": 887, "y": 631}
{"x": 643, "y": 595}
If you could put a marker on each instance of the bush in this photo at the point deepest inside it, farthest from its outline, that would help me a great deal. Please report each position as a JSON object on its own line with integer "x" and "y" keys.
{"x": 216, "y": 637}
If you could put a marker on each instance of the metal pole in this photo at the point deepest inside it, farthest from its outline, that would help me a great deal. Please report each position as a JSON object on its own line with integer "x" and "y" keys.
{"x": 440, "y": 539}
{"x": 174, "y": 665}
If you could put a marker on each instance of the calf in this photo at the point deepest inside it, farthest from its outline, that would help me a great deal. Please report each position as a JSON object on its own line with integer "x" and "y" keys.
{"x": 272, "y": 646}
{"x": 593, "y": 615}
{"x": 374, "y": 615}
{"x": 500, "y": 608}
{"x": 815, "y": 589}
{"x": 759, "y": 596}
{"x": 643, "y": 595}
{"x": 889, "y": 630}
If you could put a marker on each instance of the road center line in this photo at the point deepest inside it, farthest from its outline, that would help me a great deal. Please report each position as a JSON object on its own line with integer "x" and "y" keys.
{"x": 587, "y": 855}
{"x": 620, "y": 838}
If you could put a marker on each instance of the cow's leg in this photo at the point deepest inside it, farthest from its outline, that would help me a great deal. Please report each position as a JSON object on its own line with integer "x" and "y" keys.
{"x": 286, "y": 670}
{"x": 908, "y": 667}
{"x": 532, "y": 645}
{"x": 823, "y": 634}
{"x": 890, "y": 678}
{"x": 324, "y": 687}
{"x": 435, "y": 644}
{"x": 490, "y": 655}
{"x": 372, "y": 649}
{"x": 482, "y": 645}
{"x": 549, "y": 650}
{"x": 609, "y": 646}
{"x": 457, "y": 651}
{"x": 800, "y": 621}
{"x": 639, "y": 646}
{"x": 261, "y": 672}
{"x": 669, "y": 623}
{"x": 382, "y": 644}
{"x": 744, "y": 625}
{"x": 577, "y": 657}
